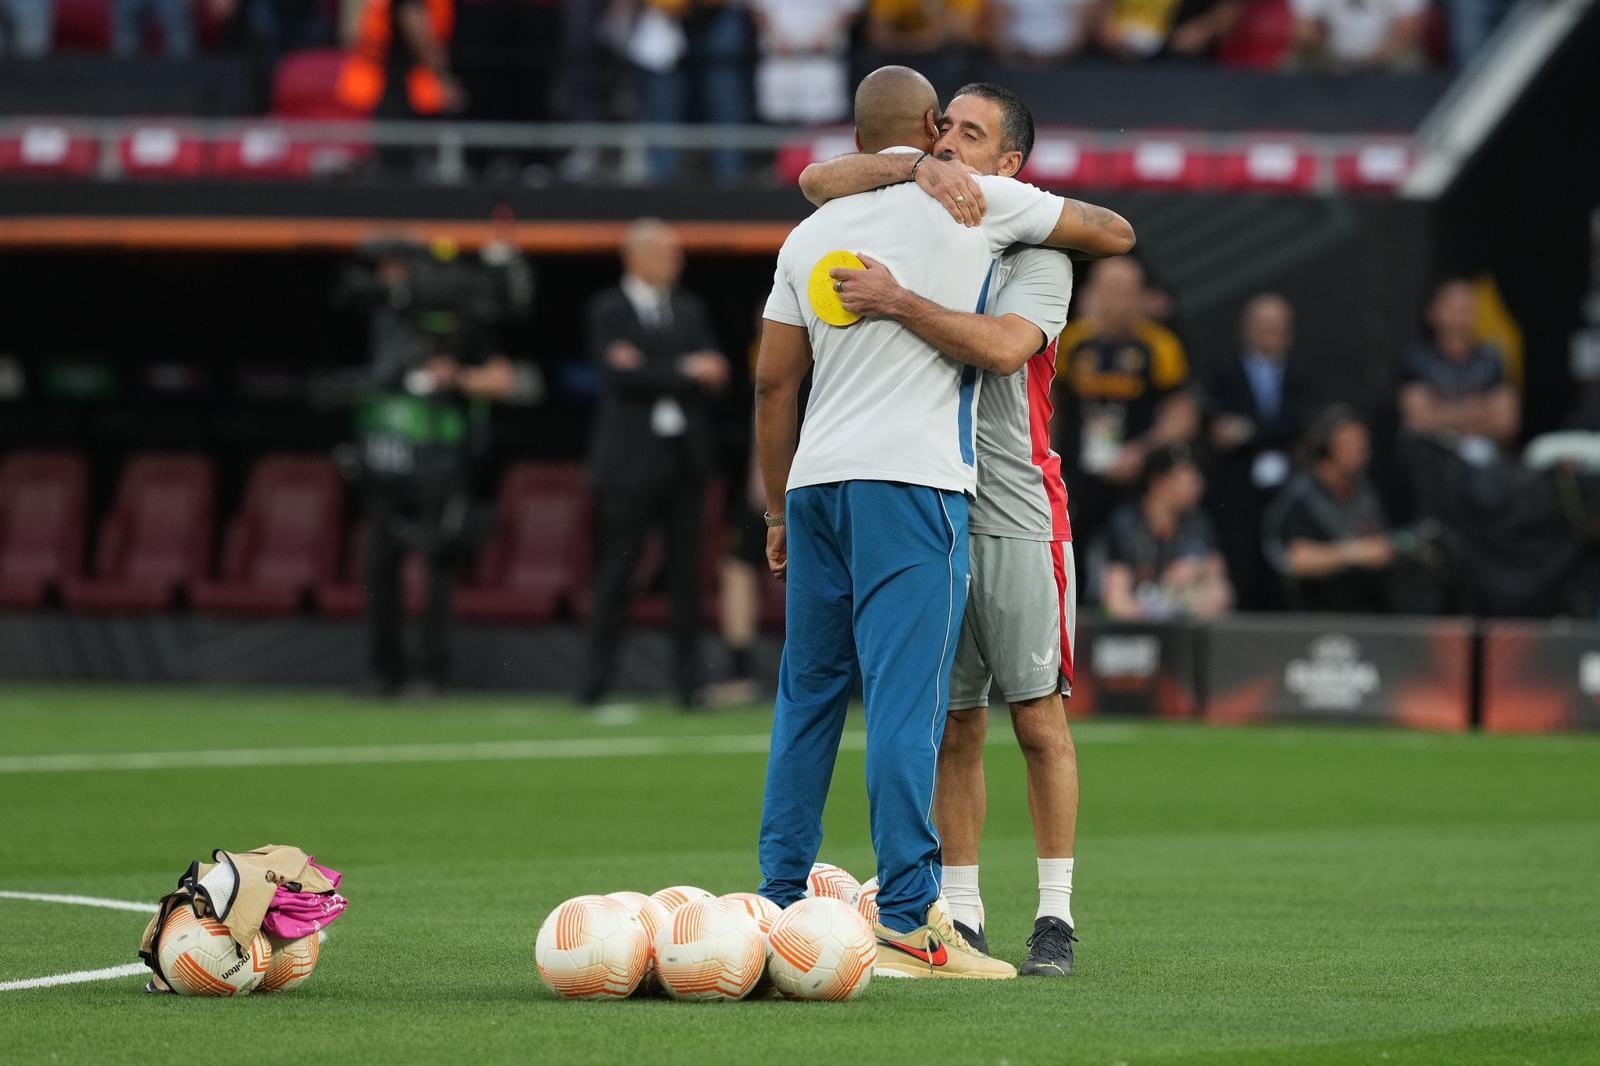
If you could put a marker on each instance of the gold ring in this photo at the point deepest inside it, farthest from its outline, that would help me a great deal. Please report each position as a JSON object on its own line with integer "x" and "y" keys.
{"x": 838, "y": 286}
{"x": 960, "y": 199}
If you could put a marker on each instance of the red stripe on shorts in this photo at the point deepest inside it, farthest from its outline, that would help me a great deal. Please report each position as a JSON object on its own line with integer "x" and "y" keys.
{"x": 1058, "y": 559}
{"x": 1041, "y": 373}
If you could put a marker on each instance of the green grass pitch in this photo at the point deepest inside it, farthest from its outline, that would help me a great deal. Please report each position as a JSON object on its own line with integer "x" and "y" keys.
{"x": 1244, "y": 896}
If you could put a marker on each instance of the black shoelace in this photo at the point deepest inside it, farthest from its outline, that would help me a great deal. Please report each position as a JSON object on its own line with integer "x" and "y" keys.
{"x": 1053, "y": 941}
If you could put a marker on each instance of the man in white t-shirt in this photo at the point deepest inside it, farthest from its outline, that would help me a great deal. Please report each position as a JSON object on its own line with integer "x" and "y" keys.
{"x": 1358, "y": 34}
{"x": 868, "y": 513}
{"x": 1038, "y": 32}
{"x": 802, "y": 76}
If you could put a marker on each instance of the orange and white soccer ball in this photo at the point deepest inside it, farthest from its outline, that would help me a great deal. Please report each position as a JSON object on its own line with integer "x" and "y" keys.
{"x": 676, "y": 896}
{"x": 712, "y": 950}
{"x": 653, "y": 916}
{"x": 821, "y": 949}
{"x": 761, "y": 910}
{"x": 199, "y": 958}
{"x": 867, "y": 905}
{"x": 591, "y": 947}
{"x": 292, "y": 962}
{"x": 833, "y": 882}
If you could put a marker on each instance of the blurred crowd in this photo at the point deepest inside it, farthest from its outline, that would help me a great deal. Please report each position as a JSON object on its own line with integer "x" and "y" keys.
{"x": 782, "y": 61}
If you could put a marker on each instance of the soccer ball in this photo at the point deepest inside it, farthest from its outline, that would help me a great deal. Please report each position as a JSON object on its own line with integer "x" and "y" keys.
{"x": 591, "y": 947}
{"x": 712, "y": 950}
{"x": 832, "y": 881}
{"x": 761, "y": 910}
{"x": 676, "y": 896}
{"x": 821, "y": 949}
{"x": 653, "y": 916}
{"x": 292, "y": 962}
{"x": 867, "y": 905}
{"x": 199, "y": 958}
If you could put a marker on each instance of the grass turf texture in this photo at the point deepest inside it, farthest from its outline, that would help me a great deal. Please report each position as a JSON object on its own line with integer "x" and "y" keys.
{"x": 1245, "y": 896}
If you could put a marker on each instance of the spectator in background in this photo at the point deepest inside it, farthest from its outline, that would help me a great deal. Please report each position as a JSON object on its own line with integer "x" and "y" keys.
{"x": 130, "y": 17}
{"x": 1471, "y": 23}
{"x": 1349, "y": 35}
{"x": 683, "y": 47}
{"x": 1259, "y": 403}
{"x": 802, "y": 75}
{"x": 1454, "y": 384}
{"x": 921, "y": 26}
{"x": 652, "y": 454}
{"x": 1038, "y": 32}
{"x": 1142, "y": 29}
{"x": 1160, "y": 550}
{"x": 274, "y": 27}
{"x": 26, "y": 27}
{"x": 398, "y": 66}
{"x": 1121, "y": 390}
{"x": 1326, "y": 534}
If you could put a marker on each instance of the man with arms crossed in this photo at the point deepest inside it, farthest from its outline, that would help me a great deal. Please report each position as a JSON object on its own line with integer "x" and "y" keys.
{"x": 1022, "y": 607}
{"x": 869, "y": 514}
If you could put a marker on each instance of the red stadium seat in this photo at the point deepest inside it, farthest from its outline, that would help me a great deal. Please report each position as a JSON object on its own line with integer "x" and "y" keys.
{"x": 156, "y": 540}
{"x": 537, "y": 559}
{"x": 1380, "y": 165}
{"x": 794, "y": 157}
{"x": 1158, "y": 161}
{"x": 284, "y": 541}
{"x": 1063, "y": 160}
{"x": 43, "y": 500}
{"x": 161, "y": 150}
{"x": 48, "y": 148}
{"x": 1269, "y": 165}
{"x": 303, "y": 85}
{"x": 347, "y": 597}
{"x": 82, "y": 25}
{"x": 1261, "y": 37}
{"x": 258, "y": 152}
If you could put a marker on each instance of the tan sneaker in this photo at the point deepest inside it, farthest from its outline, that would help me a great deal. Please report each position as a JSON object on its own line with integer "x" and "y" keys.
{"x": 934, "y": 950}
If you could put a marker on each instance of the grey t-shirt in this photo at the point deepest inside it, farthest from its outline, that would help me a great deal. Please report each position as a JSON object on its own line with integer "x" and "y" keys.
{"x": 1020, "y": 491}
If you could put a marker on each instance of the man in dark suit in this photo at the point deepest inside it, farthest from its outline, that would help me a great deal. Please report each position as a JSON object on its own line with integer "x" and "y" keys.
{"x": 1260, "y": 403}
{"x": 653, "y": 451}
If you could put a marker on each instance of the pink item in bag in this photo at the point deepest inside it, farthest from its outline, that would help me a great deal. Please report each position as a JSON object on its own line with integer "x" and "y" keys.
{"x": 292, "y": 915}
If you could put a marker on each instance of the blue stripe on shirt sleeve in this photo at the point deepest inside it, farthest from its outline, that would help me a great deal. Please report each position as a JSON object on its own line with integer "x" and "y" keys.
{"x": 969, "y": 383}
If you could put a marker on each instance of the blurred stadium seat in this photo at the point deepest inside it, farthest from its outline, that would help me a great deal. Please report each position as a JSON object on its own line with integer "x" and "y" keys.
{"x": 1269, "y": 165}
{"x": 283, "y": 543}
{"x": 537, "y": 559}
{"x": 48, "y": 148}
{"x": 43, "y": 503}
{"x": 157, "y": 538}
{"x": 161, "y": 150}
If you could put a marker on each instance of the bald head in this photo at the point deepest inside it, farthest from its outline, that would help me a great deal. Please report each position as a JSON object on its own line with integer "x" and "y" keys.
{"x": 896, "y": 106}
{"x": 650, "y": 253}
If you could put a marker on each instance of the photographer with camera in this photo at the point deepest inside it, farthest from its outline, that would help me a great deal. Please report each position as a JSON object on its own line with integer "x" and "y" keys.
{"x": 424, "y": 402}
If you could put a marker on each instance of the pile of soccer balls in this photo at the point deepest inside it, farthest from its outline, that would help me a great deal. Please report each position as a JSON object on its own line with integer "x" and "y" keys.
{"x": 703, "y": 948}
{"x": 200, "y": 958}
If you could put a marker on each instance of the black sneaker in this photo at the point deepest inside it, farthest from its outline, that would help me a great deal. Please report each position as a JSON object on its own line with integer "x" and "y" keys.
{"x": 1049, "y": 949}
{"x": 974, "y": 937}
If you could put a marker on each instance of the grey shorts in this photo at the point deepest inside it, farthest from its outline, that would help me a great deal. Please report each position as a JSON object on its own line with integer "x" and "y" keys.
{"x": 1022, "y": 609}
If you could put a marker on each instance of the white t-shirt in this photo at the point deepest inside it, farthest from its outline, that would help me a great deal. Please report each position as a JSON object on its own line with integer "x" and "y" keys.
{"x": 885, "y": 405}
{"x": 1039, "y": 27}
{"x": 808, "y": 26}
{"x": 1356, "y": 28}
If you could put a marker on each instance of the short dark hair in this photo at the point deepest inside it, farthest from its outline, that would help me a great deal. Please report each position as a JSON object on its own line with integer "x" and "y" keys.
{"x": 1163, "y": 460}
{"x": 1016, "y": 121}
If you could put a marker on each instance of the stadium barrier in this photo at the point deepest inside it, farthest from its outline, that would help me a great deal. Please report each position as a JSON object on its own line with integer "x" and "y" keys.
{"x": 1416, "y": 673}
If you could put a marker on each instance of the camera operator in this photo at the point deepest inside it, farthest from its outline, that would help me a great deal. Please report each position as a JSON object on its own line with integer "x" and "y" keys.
{"x": 424, "y": 423}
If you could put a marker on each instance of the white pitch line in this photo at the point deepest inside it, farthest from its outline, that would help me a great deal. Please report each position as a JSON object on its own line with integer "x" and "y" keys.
{"x": 476, "y": 751}
{"x": 78, "y": 977}
{"x": 83, "y": 901}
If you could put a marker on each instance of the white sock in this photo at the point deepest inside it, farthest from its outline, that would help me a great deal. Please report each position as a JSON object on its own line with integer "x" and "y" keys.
{"x": 1055, "y": 889}
{"x": 961, "y": 892}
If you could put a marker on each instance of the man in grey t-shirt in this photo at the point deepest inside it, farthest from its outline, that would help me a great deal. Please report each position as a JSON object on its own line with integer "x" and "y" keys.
{"x": 1021, "y": 607}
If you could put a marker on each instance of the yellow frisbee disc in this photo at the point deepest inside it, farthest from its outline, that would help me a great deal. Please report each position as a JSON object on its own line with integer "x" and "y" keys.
{"x": 824, "y": 299}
